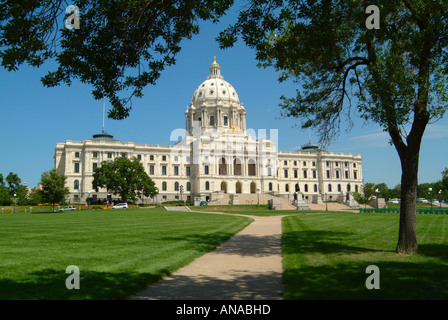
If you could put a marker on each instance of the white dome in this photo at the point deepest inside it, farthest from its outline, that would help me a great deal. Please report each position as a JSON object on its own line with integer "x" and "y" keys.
{"x": 214, "y": 88}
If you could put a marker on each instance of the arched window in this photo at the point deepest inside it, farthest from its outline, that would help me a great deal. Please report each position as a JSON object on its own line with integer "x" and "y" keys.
{"x": 76, "y": 185}
{"x": 287, "y": 187}
{"x": 270, "y": 186}
{"x": 207, "y": 185}
{"x": 339, "y": 188}
{"x": 176, "y": 186}
{"x": 329, "y": 187}
{"x": 356, "y": 187}
{"x": 163, "y": 186}
{"x": 315, "y": 188}
{"x": 188, "y": 186}
{"x": 306, "y": 187}
{"x": 348, "y": 187}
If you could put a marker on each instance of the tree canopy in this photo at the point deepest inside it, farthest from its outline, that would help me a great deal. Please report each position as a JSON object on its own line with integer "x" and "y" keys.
{"x": 119, "y": 48}
{"x": 53, "y": 187}
{"x": 124, "y": 177}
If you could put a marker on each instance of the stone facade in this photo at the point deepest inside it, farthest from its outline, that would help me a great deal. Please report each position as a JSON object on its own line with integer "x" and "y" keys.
{"x": 216, "y": 156}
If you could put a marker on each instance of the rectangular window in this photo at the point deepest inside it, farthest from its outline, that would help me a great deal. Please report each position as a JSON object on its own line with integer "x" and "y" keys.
{"x": 355, "y": 175}
{"x": 139, "y": 157}
{"x": 269, "y": 171}
{"x": 328, "y": 174}
{"x": 151, "y": 170}
{"x": 206, "y": 170}
{"x": 212, "y": 120}
{"x": 95, "y": 154}
{"x": 164, "y": 170}
{"x": 304, "y": 163}
{"x": 346, "y": 174}
{"x": 188, "y": 171}
{"x": 151, "y": 157}
{"x": 285, "y": 162}
{"x": 176, "y": 170}
{"x": 123, "y": 154}
{"x": 163, "y": 158}
{"x": 76, "y": 154}
{"x": 95, "y": 165}
{"x": 76, "y": 167}
{"x": 295, "y": 163}
{"x": 295, "y": 174}
{"x": 286, "y": 173}
{"x": 109, "y": 155}
{"x": 225, "y": 121}
{"x": 337, "y": 174}
{"x": 314, "y": 174}
{"x": 304, "y": 174}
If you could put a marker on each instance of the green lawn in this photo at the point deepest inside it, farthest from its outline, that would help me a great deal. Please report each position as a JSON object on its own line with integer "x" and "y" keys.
{"x": 118, "y": 252}
{"x": 325, "y": 256}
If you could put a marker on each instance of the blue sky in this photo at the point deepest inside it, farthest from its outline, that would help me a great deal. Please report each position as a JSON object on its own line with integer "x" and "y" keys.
{"x": 34, "y": 118}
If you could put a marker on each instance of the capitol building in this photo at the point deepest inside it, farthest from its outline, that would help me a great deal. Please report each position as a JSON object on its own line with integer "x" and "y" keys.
{"x": 217, "y": 159}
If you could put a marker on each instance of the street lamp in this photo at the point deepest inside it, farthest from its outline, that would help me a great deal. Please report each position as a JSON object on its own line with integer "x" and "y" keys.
{"x": 88, "y": 202}
{"x": 326, "y": 202}
{"x": 440, "y": 198}
{"x": 14, "y": 211}
{"x": 258, "y": 191}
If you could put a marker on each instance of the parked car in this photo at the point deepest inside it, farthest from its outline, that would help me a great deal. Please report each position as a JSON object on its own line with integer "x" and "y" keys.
{"x": 435, "y": 202}
{"x": 395, "y": 200}
{"x": 422, "y": 200}
{"x": 203, "y": 203}
{"x": 120, "y": 206}
{"x": 68, "y": 208}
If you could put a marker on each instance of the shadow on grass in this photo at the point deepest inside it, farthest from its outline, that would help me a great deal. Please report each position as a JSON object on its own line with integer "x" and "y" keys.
{"x": 324, "y": 242}
{"x": 398, "y": 280}
{"x": 49, "y": 284}
{"x": 240, "y": 244}
{"x": 341, "y": 273}
{"x": 239, "y": 285}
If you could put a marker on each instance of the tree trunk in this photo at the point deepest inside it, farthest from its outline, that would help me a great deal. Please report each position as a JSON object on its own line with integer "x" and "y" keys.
{"x": 407, "y": 235}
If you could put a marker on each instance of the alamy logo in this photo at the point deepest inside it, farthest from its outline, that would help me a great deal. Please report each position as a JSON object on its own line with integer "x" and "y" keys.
{"x": 373, "y": 21}
{"x": 72, "y": 281}
{"x": 72, "y": 22}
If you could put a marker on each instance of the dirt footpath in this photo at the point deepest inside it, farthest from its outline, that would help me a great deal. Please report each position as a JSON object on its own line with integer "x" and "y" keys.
{"x": 248, "y": 266}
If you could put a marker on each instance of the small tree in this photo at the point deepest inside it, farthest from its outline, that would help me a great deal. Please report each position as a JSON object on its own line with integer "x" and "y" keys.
{"x": 366, "y": 194}
{"x": 53, "y": 187}
{"x": 124, "y": 177}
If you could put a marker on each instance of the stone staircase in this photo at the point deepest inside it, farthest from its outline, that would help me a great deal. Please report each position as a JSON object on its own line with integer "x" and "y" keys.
{"x": 253, "y": 199}
{"x": 286, "y": 203}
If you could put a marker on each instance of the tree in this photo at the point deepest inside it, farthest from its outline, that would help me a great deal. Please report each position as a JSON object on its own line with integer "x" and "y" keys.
{"x": 124, "y": 177}
{"x": 366, "y": 193}
{"x": 120, "y": 45}
{"x": 445, "y": 180}
{"x": 53, "y": 187}
{"x": 394, "y": 76}
{"x": 13, "y": 181}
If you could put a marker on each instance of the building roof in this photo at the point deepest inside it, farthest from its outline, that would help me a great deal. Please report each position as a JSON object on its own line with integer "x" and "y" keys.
{"x": 214, "y": 88}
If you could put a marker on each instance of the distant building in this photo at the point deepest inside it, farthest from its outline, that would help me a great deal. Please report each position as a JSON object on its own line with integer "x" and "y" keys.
{"x": 216, "y": 156}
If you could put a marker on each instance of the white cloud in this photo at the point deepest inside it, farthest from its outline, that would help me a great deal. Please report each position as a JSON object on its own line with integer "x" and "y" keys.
{"x": 436, "y": 131}
{"x": 374, "y": 139}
